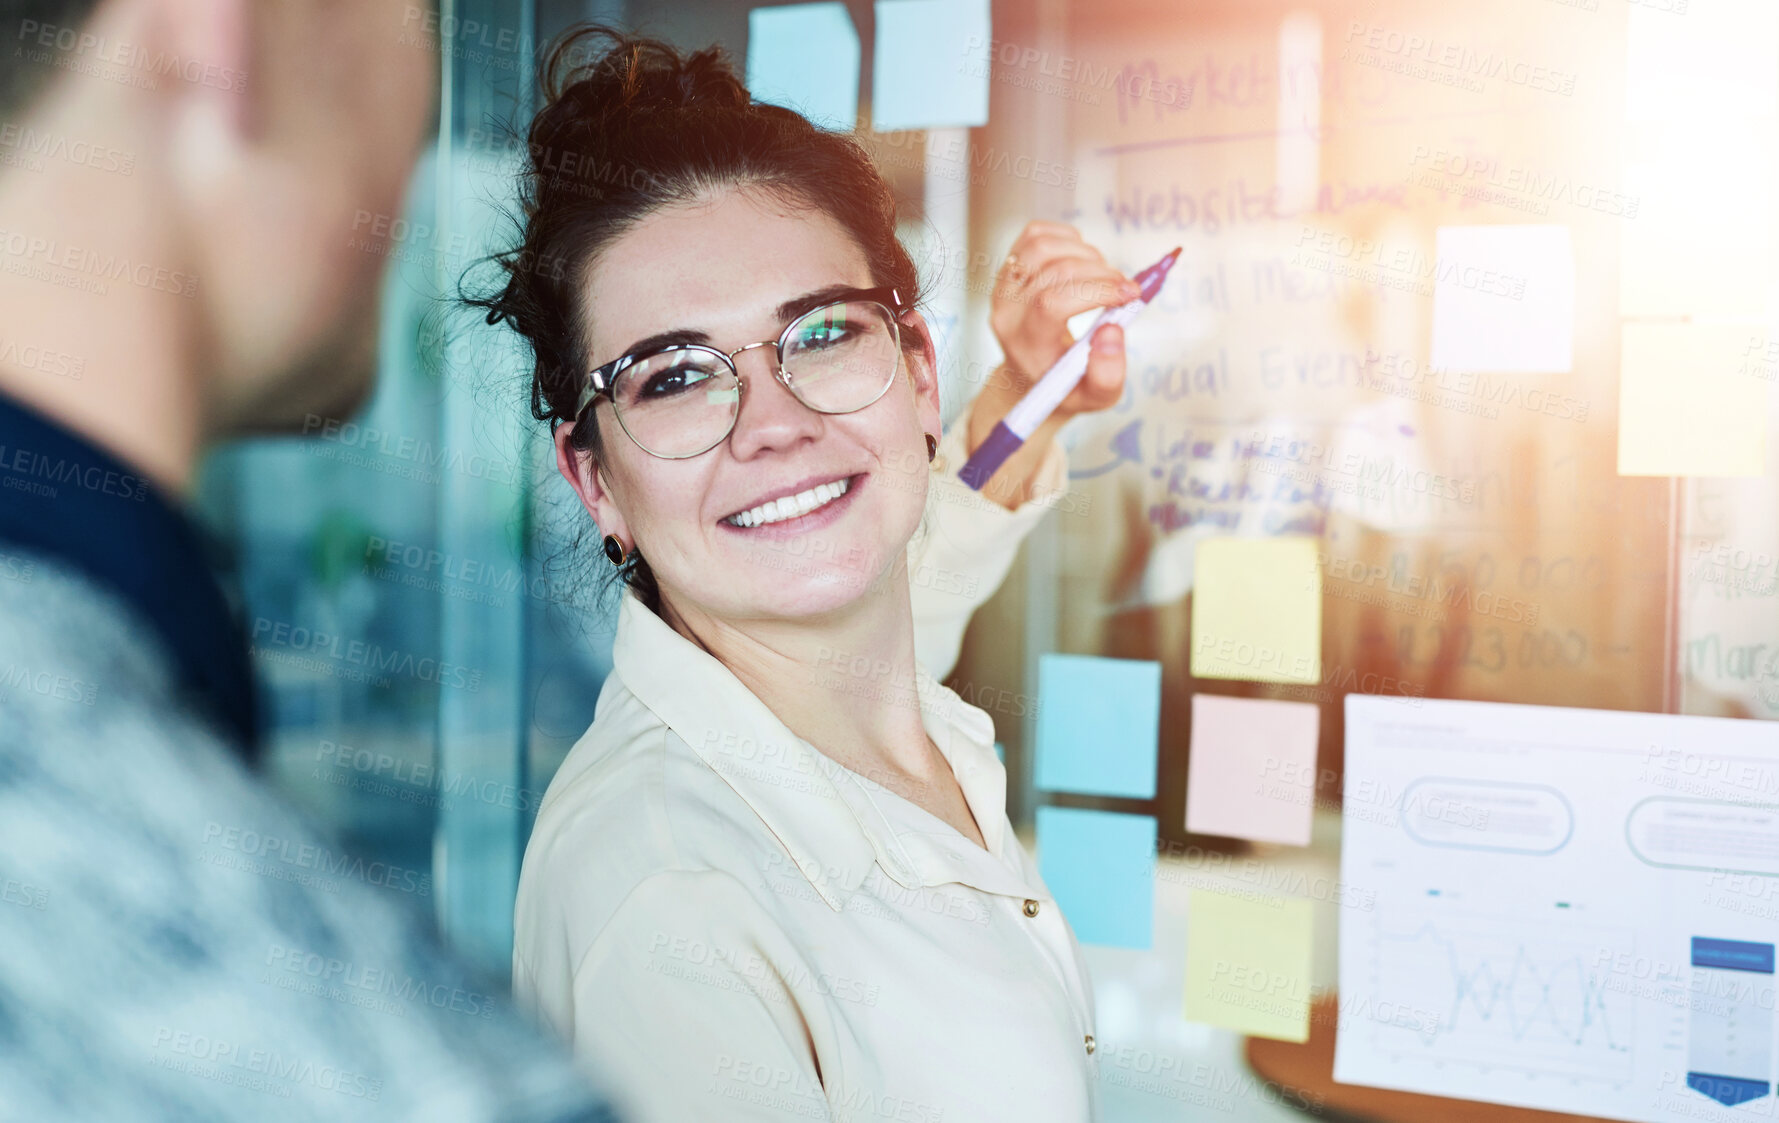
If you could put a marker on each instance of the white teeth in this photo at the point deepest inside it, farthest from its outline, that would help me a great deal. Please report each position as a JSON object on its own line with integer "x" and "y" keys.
{"x": 791, "y": 506}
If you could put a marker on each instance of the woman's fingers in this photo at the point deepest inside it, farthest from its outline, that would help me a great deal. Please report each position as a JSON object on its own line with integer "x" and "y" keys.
{"x": 1041, "y": 242}
{"x": 1102, "y": 386}
{"x": 1068, "y": 286}
{"x": 1030, "y": 255}
{"x": 1038, "y": 229}
{"x": 1051, "y": 275}
{"x": 1055, "y": 245}
{"x": 1023, "y": 270}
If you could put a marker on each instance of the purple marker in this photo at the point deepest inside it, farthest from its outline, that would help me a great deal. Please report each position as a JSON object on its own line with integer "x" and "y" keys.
{"x": 1049, "y": 391}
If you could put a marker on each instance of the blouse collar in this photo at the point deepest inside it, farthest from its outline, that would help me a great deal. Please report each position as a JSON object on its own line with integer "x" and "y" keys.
{"x": 834, "y": 823}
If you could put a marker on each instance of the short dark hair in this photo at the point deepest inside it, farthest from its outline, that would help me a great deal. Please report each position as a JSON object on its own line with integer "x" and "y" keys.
{"x": 645, "y": 126}
{"x": 21, "y": 82}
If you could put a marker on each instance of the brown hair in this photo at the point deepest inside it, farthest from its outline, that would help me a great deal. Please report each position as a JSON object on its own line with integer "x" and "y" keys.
{"x": 636, "y": 127}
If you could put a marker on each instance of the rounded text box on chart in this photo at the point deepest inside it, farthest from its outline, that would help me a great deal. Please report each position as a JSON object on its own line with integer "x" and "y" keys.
{"x": 1708, "y": 835}
{"x": 1487, "y": 815}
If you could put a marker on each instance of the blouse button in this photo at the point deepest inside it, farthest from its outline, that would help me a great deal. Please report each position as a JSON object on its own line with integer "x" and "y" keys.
{"x": 1031, "y": 907}
{"x": 1090, "y": 1044}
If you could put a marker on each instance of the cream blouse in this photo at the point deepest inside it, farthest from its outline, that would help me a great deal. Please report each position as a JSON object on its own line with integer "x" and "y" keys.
{"x": 728, "y": 925}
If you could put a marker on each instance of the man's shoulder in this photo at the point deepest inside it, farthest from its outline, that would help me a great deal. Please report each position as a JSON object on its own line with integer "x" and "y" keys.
{"x": 182, "y": 944}
{"x": 67, "y": 641}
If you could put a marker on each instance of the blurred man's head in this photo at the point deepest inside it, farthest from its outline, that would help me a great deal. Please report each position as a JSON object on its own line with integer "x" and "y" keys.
{"x": 240, "y": 139}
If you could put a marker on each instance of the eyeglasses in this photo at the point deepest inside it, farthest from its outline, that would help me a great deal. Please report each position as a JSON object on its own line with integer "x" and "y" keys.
{"x": 683, "y": 400}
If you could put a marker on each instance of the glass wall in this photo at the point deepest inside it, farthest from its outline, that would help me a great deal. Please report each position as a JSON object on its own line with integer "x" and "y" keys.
{"x": 388, "y": 560}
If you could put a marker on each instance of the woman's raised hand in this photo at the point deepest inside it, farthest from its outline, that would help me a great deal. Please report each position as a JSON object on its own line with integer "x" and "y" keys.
{"x": 1051, "y": 274}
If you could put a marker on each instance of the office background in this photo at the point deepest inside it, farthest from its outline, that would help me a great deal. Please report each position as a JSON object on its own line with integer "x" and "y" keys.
{"x": 1440, "y": 260}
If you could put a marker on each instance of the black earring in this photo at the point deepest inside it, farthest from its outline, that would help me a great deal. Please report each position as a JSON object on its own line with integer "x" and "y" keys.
{"x": 932, "y": 447}
{"x": 614, "y": 549}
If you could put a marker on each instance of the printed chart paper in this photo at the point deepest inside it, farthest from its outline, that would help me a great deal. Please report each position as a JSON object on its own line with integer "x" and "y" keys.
{"x": 1573, "y": 909}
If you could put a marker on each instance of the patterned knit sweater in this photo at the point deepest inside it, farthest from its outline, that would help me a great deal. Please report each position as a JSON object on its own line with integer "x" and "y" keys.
{"x": 177, "y": 943}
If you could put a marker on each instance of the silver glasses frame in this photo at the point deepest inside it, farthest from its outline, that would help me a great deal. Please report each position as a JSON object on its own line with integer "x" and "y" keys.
{"x": 600, "y": 381}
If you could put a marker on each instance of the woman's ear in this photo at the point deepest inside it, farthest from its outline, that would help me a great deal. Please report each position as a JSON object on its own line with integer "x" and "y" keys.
{"x": 581, "y": 471}
{"x": 923, "y": 369}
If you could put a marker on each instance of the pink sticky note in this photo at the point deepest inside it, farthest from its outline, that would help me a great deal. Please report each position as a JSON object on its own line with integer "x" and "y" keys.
{"x": 1252, "y": 772}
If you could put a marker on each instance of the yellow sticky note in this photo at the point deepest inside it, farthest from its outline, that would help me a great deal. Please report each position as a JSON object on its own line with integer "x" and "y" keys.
{"x": 1257, "y": 610}
{"x": 1692, "y": 400}
{"x": 1248, "y": 964}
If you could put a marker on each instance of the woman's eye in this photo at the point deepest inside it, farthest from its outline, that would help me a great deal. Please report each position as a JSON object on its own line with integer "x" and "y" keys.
{"x": 669, "y": 382}
{"x": 824, "y": 334}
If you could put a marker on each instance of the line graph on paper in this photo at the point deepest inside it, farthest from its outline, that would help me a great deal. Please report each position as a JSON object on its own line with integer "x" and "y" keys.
{"x": 1530, "y": 995}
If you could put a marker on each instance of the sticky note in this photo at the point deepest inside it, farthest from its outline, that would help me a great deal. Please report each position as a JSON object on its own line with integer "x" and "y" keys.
{"x": 1692, "y": 400}
{"x": 1100, "y": 867}
{"x": 1679, "y": 256}
{"x": 1252, "y": 772}
{"x": 1248, "y": 964}
{"x": 931, "y": 66}
{"x": 1099, "y": 725}
{"x": 1257, "y": 610}
{"x": 1503, "y": 299}
{"x": 806, "y": 57}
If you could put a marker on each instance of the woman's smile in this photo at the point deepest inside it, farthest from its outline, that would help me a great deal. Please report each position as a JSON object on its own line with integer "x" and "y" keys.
{"x": 798, "y": 509}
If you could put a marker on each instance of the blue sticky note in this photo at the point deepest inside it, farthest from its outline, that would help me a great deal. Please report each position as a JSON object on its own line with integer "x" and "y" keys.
{"x": 1100, "y": 867}
{"x": 931, "y": 66}
{"x": 1099, "y": 725}
{"x": 806, "y": 57}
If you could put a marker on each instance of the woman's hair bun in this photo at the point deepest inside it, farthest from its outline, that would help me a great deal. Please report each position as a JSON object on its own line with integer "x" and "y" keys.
{"x": 619, "y": 72}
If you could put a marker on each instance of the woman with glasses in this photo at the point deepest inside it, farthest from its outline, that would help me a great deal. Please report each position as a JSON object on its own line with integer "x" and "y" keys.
{"x": 776, "y": 878}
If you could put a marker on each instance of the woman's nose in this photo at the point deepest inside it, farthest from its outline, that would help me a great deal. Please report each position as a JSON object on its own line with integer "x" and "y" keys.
{"x": 771, "y": 416}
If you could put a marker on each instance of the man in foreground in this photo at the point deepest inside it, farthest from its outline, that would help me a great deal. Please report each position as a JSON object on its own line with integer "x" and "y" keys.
{"x": 177, "y": 181}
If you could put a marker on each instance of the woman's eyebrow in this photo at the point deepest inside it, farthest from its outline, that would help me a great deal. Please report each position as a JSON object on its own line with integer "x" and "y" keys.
{"x": 785, "y": 313}
{"x": 661, "y": 339}
{"x": 815, "y": 298}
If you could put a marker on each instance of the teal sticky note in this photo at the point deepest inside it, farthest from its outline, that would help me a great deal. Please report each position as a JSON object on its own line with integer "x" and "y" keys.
{"x": 930, "y": 69}
{"x": 1099, "y": 725}
{"x": 1100, "y": 867}
{"x": 806, "y": 57}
